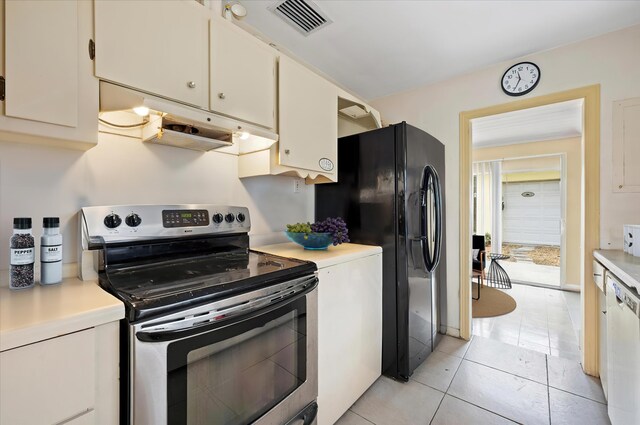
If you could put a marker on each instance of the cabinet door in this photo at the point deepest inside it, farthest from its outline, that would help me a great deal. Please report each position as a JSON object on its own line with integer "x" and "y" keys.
{"x": 50, "y": 381}
{"x": 243, "y": 79}
{"x": 308, "y": 120}
{"x": 155, "y": 46}
{"x": 51, "y": 92}
{"x": 41, "y": 61}
{"x": 349, "y": 334}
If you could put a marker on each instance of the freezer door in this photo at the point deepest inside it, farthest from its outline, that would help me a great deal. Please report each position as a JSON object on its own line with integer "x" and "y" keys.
{"x": 421, "y": 253}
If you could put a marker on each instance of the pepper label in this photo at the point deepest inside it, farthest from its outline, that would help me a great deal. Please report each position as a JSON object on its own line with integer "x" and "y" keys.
{"x": 22, "y": 256}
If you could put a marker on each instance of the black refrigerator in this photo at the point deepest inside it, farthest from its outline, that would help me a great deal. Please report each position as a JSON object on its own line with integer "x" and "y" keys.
{"x": 390, "y": 191}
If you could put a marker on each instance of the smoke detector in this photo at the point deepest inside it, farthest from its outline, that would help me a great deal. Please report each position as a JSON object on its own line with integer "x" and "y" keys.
{"x": 303, "y": 15}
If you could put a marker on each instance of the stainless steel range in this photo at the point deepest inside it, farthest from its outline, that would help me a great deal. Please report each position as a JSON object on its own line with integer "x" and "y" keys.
{"x": 215, "y": 333}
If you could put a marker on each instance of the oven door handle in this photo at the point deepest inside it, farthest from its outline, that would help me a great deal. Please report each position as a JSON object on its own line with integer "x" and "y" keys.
{"x": 192, "y": 326}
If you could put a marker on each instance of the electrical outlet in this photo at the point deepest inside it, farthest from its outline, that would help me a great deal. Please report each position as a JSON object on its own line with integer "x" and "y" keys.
{"x": 297, "y": 185}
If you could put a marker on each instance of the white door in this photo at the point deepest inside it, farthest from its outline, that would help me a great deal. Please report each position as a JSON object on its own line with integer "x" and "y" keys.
{"x": 243, "y": 75}
{"x": 42, "y": 61}
{"x": 308, "y": 119}
{"x": 532, "y": 213}
{"x": 160, "y": 47}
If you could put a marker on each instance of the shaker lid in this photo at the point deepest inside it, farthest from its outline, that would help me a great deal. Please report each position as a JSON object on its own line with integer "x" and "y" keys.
{"x": 49, "y": 222}
{"x": 22, "y": 223}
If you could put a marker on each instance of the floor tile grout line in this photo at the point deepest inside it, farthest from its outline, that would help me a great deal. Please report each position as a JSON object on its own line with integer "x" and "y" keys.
{"x": 483, "y": 408}
{"x": 508, "y": 373}
{"x": 578, "y": 395}
{"x": 349, "y": 410}
{"x": 546, "y": 362}
{"x": 424, "y": 385}
{"x": 438, "y": 408}
{"x": 455, "y": 373}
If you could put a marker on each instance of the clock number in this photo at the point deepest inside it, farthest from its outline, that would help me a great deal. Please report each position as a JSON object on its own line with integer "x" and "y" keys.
{"x": 515, "y": 84}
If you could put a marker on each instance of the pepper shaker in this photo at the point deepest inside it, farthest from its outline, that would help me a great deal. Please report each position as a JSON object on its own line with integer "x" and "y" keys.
{"x": 22, "y": 247}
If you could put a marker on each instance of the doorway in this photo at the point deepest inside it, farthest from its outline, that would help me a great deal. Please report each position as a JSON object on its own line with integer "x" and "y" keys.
{"x": 533, "y": 228}
{"x": 590, "y": 141}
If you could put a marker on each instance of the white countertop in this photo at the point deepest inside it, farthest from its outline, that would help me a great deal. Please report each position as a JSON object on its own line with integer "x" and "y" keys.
{"x": 625, "y": 266}
{"x": 323, "y": 258}
{"x": 42, "y": 312}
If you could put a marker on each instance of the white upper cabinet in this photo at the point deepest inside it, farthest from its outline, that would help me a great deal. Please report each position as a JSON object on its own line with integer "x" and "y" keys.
{"x": 355, "y": 116}
{"x": 160, "y": 47}
{"x": 51, "y": 94}
{"x": 242, "y": 75}
{"x": 308, "y": 120}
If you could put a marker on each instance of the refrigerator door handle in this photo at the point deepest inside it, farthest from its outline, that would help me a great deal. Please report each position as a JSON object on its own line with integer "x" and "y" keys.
{"x": 431, "y": 218}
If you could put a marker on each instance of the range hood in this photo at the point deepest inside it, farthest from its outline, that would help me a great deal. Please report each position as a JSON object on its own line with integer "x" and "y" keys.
{"x": 173, "y": 124}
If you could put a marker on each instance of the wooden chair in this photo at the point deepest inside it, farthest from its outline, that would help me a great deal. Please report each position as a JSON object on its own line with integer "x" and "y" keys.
{"x": 479, "y": 261}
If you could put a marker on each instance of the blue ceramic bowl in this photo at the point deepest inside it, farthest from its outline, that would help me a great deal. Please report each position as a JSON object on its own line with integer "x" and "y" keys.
{"x": 311, "y": 240}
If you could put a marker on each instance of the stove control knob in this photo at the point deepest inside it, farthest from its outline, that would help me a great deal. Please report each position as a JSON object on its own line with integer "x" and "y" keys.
{"x": 112, "y": 221}
{"x": 240, "y": 217}
{"x": 229, "y": 218}
{"x": 217, "y": 218}
{"x": 133, "y": 220}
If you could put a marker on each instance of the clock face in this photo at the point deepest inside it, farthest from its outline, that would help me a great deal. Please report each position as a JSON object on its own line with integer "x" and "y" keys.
{"x": 520, "y": 79}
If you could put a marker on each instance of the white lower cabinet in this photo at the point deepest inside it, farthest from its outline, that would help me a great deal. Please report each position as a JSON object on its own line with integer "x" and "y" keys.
{"x": 349, "y": 334}
{"x": 69, "y": 379}
{"x": 623, "y": 352}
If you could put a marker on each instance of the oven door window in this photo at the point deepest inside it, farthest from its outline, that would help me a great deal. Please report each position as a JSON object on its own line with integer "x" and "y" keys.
{"x": 236, "y": 373}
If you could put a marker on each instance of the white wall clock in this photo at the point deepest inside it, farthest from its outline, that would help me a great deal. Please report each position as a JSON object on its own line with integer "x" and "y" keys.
{"x": 520, "y": 79}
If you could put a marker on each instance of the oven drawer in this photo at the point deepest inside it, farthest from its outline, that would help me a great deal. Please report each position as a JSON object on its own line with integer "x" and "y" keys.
{"x": 50, "y": 381}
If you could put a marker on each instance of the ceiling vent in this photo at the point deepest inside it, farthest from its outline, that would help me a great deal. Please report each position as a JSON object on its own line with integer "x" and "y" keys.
{"x": 303, "y": 15}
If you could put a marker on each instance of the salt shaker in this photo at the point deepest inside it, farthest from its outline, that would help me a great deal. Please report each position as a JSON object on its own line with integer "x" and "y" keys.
{"x": 50, "y": 251}
{"x": 22, "y": 247}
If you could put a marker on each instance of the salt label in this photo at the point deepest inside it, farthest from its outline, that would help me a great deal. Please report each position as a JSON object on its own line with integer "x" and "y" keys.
{"x": 51, "y": 254}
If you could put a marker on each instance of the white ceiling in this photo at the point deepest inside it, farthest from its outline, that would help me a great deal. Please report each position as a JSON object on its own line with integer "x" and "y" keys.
{"x": 376, "y": 48}
{"x": 549, "y": 122}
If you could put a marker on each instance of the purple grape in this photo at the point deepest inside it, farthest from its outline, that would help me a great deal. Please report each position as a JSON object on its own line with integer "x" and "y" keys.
{"x": 336, "y": 226}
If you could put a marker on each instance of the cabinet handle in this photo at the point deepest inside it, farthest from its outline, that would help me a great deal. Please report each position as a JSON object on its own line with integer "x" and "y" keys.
{"x": 597, "y": 274}
{"x": 221, "y": 95}
{"x": 191, "y": 84}
{"x": 286, "y": 151}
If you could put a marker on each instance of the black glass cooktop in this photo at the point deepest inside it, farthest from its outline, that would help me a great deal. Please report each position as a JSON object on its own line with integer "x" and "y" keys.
{"x": 158, "y": 286}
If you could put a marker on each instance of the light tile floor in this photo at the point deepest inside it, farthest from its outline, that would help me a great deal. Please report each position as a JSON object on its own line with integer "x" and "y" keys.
{"x": 545, "y": 320}
{"x": 530, "y": 272}
{"x": 484, "y": 382}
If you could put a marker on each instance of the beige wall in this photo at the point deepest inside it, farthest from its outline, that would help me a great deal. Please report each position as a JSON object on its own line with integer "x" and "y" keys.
{"x": 37, "y": 181}
{"x": 605, "y": 60}
{"x": 524, "y": 164}
{"x": 572, "y": 149}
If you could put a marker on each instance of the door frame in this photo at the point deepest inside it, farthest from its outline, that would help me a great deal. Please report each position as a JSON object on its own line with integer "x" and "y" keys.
{"x": 591, "y": 204}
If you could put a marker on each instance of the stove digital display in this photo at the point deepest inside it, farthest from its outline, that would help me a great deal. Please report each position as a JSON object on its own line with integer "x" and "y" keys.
{"x": 185, "y": 218}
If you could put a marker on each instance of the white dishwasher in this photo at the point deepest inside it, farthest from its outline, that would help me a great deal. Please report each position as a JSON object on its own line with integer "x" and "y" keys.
{"x": 623, "y": 357}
